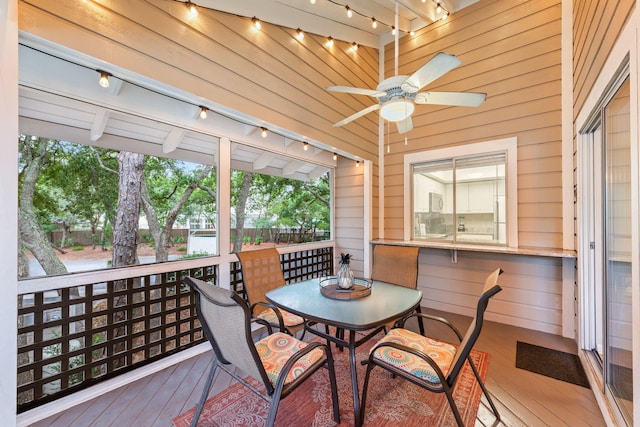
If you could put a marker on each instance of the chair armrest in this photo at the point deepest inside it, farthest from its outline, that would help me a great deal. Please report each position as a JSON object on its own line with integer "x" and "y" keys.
{"x": 400, "y": 323}
{"x": 263, "y": 323}
{"x": 275, "y": 310}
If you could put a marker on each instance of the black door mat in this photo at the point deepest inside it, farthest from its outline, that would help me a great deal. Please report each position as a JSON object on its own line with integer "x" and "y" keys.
{"x": 551, "y": 363}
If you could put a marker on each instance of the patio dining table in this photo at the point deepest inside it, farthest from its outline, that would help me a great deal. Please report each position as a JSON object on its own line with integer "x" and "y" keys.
{"x": 370, "y": 313}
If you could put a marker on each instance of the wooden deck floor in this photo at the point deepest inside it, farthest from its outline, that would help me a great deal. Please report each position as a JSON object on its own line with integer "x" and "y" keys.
{"x": 523, "y": 398}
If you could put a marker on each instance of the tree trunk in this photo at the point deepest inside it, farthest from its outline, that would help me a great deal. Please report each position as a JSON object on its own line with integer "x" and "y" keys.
{"x": 240, "y": 211}
{"x": 125, "y": 233}
{"x": 23, "y": 262}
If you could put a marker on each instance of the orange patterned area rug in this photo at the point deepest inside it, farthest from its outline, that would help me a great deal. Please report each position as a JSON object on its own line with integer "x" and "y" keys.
{"x": 390, "y": 401}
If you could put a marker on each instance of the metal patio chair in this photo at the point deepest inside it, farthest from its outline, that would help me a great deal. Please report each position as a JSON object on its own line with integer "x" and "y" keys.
{"x": 262, "y": 272}
{"x": 279, "y": 361}
{"x": 430, "y": 363}
{"x": 397, "y": 265}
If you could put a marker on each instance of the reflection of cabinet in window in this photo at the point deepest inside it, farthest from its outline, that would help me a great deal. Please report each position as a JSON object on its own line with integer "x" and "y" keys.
{"x": 475, "y": 197}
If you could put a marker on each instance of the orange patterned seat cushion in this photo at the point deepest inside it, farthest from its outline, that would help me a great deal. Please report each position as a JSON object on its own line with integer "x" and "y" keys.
{"x": 289, "y": 319}
{"x": 442, "y": 353}
{"x": 276, "y": 349}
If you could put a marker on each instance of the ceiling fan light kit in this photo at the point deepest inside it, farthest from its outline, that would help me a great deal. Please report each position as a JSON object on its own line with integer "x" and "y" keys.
{"x": 396, "y": 110}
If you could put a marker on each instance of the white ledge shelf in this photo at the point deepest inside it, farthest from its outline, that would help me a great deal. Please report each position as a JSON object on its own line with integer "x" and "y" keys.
{"x": 555, "y": 253}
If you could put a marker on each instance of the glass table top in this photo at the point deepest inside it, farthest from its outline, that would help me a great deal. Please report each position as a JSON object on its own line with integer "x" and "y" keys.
{"x": 387, "y": 302}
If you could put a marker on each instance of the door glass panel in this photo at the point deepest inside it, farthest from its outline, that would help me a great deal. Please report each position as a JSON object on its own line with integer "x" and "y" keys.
{"x": 618, "y": 263}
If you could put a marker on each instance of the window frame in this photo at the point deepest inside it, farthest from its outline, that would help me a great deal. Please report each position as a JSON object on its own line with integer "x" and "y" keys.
{"x": 507, "y": 145}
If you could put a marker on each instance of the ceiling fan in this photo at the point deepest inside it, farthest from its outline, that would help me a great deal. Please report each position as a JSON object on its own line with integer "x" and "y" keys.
{"x": 398, "y": 95}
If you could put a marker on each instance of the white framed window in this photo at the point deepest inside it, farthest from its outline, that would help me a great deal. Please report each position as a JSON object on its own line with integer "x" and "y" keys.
{"x": 463, "y": 194}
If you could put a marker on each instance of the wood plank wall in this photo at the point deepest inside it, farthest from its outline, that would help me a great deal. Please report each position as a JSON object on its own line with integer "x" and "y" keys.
{"x": 269, "y": 74}
{"x": 511, "y": 51}
{"x": 596, "y": 27}
{"x": 349, "y": 213}
{"x": 531, "y": 294}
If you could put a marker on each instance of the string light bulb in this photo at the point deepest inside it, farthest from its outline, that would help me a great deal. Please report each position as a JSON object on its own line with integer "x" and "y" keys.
{"x": 393, "y": 30}
{"x": 335, "y": 156}
{"x": 357, "y": 163}
{"x": 374, "y": 23}
{"x": 312, "y": 1}
{"x": 264, "y": 132}
{"x": 256, "y": 23}
{"x": 305, "y": 146}
{"x": 330, "y": 41}
{"x": 354, "y": 45}
{"x": 104, "y": 79}
{"x": 349, "y": 11}
{"x": 193, "y": 10}
{"x": 445, "y": 15}
{"x": 203, "y": 112}
{"x": 438, "y": 8}
{"x": 299, "y": 34}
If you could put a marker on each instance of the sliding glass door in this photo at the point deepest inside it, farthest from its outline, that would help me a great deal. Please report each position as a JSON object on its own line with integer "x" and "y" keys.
{"x": 618, "y": 261}
{"x": 606, "y": 248}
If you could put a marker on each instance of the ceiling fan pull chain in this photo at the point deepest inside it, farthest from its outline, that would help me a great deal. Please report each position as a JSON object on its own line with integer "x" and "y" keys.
{"x": 388, "y": 138}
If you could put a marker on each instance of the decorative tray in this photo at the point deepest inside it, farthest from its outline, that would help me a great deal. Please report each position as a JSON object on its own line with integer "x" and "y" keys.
{"x": 330, "y": 289}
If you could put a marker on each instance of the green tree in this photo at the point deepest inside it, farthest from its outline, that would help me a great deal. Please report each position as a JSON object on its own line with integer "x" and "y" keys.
{"x": 166, "y": 189}
{"x": 241, "y": 182}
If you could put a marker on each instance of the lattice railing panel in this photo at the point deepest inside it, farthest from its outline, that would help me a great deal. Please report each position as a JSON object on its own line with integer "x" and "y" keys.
{"x": 296, "y": 266}
{"x": 71, "y": 338}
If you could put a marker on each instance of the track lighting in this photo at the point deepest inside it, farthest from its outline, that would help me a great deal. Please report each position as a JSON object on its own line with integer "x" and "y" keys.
{"x": 256, "y": 23}
{"x": 305, "y": 146}
{"x": 104, "y": 78}
{"x": 193, "y": 10}
{"x": 349, "y": 12}
{"x": 299, "y": 34}
{"x": 264, "y": 132}
{"x": 329, "y": 41}
{"x": 203, "y": 112}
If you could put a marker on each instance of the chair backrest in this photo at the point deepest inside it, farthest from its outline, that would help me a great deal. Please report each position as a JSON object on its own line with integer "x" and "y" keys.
{"x": 473, "y": 332}
{"x": 226, "y": 322}
{"x": 396, "y": 264}
{"x": 261, "y": 272}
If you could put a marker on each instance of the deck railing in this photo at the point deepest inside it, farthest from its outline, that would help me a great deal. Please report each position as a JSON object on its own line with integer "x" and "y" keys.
{"x": 77, "y": 336}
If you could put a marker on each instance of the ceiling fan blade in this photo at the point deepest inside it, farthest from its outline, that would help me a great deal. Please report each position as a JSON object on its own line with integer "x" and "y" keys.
{"x": 462, "y": 99}
{"x": 437, "y": 66}
{"x": 357, "y": 115}
{"x": 405, "y": 125}
{"x": 356, "y": 90}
